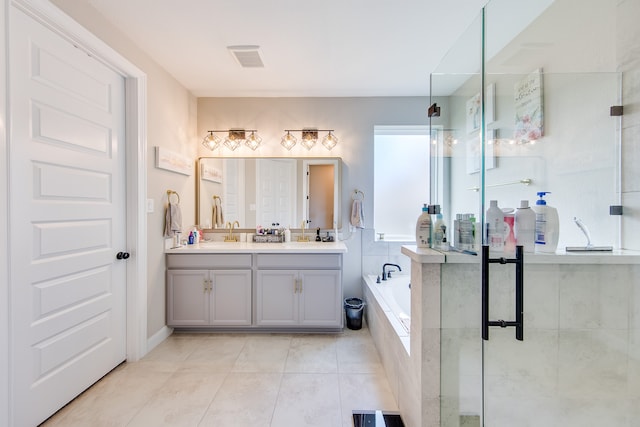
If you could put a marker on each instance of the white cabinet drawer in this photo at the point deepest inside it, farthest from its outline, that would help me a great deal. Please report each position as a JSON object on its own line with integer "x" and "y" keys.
{"x": 208, "y": 261}
{"x": 299, "y": 261}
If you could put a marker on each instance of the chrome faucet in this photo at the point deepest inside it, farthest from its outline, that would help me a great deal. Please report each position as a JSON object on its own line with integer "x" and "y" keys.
{"x": 387, "y": 274}
{"x": 231, "y": 237}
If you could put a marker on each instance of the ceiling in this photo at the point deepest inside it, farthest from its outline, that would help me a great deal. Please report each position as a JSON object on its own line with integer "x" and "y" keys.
{"x": 329, "y": 48}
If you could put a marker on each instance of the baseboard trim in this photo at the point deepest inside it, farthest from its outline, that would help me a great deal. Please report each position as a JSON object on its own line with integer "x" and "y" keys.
{"x": 158, "y": 337}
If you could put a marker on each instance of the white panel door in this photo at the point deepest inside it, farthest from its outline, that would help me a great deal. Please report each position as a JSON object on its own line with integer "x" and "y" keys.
{"x": 67, "y": 215}
{"x": 276, "y": 195}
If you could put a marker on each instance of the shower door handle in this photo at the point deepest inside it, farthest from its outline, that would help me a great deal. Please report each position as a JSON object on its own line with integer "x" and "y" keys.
{"x": 518, "y": 323}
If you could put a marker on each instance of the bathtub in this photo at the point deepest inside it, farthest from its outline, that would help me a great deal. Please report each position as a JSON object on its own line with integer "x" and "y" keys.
{"x": 393, "y": 296}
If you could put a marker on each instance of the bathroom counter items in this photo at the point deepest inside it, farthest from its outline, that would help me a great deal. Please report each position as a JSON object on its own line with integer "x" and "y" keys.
{"x": 430, "y": 256}
{"x": 250, "y": 247}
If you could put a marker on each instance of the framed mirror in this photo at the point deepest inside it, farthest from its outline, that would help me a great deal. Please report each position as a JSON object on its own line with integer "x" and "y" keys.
{"x": 269, "y": 190}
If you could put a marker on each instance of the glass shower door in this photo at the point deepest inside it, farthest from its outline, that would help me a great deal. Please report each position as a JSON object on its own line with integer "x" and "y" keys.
{"x": 549, "y": 128}
{"x": 546, "y": 125}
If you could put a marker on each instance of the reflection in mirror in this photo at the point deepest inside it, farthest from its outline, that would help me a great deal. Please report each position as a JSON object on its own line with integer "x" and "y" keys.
{"x": 266, "y": 191}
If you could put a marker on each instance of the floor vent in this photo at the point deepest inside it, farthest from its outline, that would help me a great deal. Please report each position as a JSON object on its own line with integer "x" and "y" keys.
{"x": 376, "y": 419}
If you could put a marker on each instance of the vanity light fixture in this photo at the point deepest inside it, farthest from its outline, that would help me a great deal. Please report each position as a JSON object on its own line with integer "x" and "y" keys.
{"x": 253, "y": 141}
{"x": 329, "y": 141}
{"x": 288, "y": 141}
{"x": 235, "y": 137}
{"x": 211, "y": 141}
{"x": 309, "y": 138}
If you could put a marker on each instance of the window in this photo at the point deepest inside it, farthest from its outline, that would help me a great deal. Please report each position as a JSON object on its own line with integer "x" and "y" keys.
{"x": 401, "y": 179}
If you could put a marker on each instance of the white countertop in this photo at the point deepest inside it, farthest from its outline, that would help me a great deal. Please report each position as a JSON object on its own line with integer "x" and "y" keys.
{"x": 621, "y": 256}
{"x": 311, "y": 247}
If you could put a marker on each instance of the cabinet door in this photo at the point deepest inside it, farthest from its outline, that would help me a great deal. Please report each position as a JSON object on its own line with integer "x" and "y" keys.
{"x": 277, "y": 298}
{"x": 320, "y": 298}
{"x": 188, "y": 297}
{"x": 231, "y": 298}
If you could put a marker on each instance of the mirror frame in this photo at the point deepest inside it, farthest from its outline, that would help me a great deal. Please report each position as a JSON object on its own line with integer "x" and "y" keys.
{"x": 337, "y": 184}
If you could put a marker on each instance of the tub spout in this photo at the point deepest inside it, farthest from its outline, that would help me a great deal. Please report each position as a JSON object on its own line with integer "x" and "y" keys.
{"x": 387, "y": 274}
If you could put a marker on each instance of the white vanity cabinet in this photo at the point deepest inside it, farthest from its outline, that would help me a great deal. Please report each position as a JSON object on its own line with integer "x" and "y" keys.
{"x": 209, "y": 290}
{"x": 299, "y": 290}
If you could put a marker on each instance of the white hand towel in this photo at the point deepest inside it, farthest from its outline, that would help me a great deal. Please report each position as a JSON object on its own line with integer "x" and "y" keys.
{"x": 167, "y": 222}
{"x": 176, "y": 217}
{"x": 172, "y": 220}
{"x": 218, "y": 218}
{"x": 357, "y": 214}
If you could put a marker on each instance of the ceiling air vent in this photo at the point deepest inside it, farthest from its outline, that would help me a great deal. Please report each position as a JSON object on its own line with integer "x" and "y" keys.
{"x": 247, "y": 56}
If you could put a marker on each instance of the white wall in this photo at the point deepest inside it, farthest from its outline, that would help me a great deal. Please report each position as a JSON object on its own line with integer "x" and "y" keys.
{"x": 171, "y": 123}
{"x": 4, "y": 243}
{"x": 353, "y": 120}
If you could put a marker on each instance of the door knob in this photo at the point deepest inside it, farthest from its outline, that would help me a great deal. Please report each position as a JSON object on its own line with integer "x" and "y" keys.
{"x": 122, "y": 255}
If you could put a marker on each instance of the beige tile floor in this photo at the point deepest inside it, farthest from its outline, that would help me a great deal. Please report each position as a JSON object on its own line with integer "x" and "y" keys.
{"x": 287, "y": 380}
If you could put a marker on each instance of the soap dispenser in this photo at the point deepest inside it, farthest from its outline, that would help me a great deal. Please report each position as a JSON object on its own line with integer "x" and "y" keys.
{"x": 547, "y": 225}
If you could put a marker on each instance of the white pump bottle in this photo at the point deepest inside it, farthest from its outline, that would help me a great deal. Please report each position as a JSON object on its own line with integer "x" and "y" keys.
{"x": 547, "y": 225}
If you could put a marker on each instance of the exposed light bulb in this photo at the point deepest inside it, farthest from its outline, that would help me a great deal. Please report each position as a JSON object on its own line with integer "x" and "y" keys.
{"x": 253, "y": 141}
{"x": 288, "y": 141}
{"x": 329, "y": 141}
{"x": 211, "y": 141}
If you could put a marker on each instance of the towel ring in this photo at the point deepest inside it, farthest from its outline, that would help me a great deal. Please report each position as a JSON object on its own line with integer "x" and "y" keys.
{"x": 357, "y": 195}
{"x": 216, "y": 197}
{"x": 170, "y": 193}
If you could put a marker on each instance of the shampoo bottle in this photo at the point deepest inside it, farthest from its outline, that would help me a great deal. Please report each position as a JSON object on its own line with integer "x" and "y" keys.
{"x": 525, "y": 227}
{"x": 494, "y": 227}
{"x": 423, "y": 228}
{"x": 547, "y": 225}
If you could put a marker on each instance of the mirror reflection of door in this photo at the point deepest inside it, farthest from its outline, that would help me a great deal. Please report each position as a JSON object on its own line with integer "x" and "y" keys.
{"x": 276, "y": 181}
{"x": 320, "y": 196}
{"x": 233, "y": 195}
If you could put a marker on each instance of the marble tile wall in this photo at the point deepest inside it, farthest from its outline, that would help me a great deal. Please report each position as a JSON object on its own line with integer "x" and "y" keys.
{"x": 377, "y": 252}
{"x": 579, "y": 363}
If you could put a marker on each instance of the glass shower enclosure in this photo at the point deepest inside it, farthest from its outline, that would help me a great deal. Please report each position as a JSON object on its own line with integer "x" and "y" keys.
{"x": 527, "y": 101}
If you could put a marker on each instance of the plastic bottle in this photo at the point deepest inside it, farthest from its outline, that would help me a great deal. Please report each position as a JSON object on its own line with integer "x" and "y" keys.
{"x": 466, "y": 237}
{"x": 494, "y": 227}
{"x": 547, "y": 225}
{"x": 423, "y": 228}
{"x": 509, "y": 230}
{"x": 525, "y": 227}
{"x": 438, "y": 232}
{"x": 287, "y": 235}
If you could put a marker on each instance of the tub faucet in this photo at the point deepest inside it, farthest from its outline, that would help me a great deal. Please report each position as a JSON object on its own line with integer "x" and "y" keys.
{"x": 387, "y": 274}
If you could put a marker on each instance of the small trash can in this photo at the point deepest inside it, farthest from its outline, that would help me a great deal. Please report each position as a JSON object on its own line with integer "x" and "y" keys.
{"x": 353, "y": 308}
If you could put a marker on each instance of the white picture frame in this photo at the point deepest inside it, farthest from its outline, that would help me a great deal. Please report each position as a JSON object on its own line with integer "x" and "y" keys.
{"x": 211, "y": 173}
{"x": 174, "y": 162}
{"x": 474, "y": 153}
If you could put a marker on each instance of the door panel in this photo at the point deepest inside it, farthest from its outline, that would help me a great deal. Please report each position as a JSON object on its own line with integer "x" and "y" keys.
{"x": 277, "y": 297}
{"x": 231, "y": 297}
{"x": 67, "y": 210}
{"x": 320, "y": 297}
{"x": 188, "y": 297}
{"x": 276, "y": 180}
